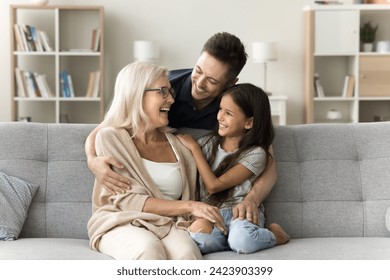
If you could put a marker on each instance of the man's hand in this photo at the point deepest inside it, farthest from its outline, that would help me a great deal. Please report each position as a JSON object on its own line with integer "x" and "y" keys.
{"x": 247, "y": 209}
{"x": 112, "y": 181}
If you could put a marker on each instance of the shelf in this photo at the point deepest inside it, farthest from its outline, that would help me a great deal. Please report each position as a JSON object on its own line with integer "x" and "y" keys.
{"x": 62, "y": 53}
{"x": 333, "y": 53}
{"x": 70, "y": 53}
{"x": 360, "y": 7}
{"x": 326, "y": 99}
{"x": 79, "y": 99}
{"x": 373, "y": 54}
{"x": 373, "y": 98}
{"x": 39, "y": 99}
{"x": 70, "y": 31}
{"x": 28, "y": 53}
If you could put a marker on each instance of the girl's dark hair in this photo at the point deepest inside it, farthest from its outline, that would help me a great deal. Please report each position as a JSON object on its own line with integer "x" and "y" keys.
{"x": 254, "y": 103}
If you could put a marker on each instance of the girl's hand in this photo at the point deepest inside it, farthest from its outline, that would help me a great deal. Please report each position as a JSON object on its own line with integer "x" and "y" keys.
{"x": 187, "y": 141}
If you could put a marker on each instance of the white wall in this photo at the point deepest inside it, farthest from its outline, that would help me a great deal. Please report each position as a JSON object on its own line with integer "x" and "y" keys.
{"x": 181, "y": 27}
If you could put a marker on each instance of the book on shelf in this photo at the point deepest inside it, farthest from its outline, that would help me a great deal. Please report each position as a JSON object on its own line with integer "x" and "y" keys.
{"x": 30, "y": 41}
{"x": 18, "y": 38}
{"x": 95, "y": 39}
{"x": 31, "y": 84}
{"x": 70, "y": 84}
{"x": 90, "y": 85}
{"x": 46, "y": 43}
{"x": 36, "y": 38}
{"x": 319, "y": 90}
{"x": 19, "y": 30}
{"x": 351, "y": 86}
{"x": 96, "y": 85}
{"x": 30, "y": 38}
{"x": 42, "y": 85}
{"x": 62, "y": 88}
{"x": 35, "y": 83}
{"x": 345, "y": 86}
{"x": 46, "y": 86}
{"x": 93, "y": 84}
{"x": 20, "y": 84}
{"x": 67, "y": 89}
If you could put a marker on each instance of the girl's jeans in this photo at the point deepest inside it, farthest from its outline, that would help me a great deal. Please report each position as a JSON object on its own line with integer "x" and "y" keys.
{"x": 243, "y": 237}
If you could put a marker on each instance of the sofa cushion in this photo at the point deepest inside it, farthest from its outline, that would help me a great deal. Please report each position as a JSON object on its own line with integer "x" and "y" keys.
{"x": 327, "y": 248}
{"x": 49, "y": 249}
{"x": 15, "y": 199}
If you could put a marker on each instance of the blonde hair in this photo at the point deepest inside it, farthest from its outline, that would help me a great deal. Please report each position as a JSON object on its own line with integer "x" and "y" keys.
{"x": 126, "y": 109}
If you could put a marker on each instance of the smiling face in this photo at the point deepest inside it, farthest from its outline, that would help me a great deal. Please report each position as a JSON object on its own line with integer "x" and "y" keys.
{"x": 209, "y": 79}
{"x": 157, "y": 107}
{"x": 232, "y": 120}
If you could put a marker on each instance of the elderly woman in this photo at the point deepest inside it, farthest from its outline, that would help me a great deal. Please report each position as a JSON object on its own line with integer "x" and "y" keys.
{"x": 149, "y": 220}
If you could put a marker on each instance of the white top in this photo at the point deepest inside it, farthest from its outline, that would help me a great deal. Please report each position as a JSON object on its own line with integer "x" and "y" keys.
{"x": 166, "y": 176}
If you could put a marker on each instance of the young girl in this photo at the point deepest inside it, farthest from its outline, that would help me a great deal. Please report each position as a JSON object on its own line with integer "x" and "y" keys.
{"x": 228, "y": 163}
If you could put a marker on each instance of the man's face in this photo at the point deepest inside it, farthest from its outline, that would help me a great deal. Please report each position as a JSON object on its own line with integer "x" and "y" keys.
{"x": 209, "y": 78}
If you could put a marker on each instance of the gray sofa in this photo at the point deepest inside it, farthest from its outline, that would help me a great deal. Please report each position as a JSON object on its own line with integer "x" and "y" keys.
{"x": 331, "y": 196}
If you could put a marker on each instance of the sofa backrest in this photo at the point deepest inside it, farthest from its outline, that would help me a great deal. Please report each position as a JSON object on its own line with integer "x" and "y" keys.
{"x": 333, "y": 180}
{"x": 52, "y": 156}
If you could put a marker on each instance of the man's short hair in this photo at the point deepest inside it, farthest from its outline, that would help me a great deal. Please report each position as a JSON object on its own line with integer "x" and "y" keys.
{"x": 229, "y": 50}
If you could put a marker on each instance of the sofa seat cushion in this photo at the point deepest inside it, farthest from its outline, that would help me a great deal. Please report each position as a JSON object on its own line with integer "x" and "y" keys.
{"x": 49, "y": 248}
{"x": 332, "y": 248}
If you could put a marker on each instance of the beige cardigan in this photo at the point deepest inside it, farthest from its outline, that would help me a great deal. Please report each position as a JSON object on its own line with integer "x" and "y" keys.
{"x": 109, "y": 211}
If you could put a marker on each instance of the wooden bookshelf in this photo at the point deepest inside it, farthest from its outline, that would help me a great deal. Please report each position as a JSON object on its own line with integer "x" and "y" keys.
{"x": 333, "y": 52}
{"x": 71, "y": 31}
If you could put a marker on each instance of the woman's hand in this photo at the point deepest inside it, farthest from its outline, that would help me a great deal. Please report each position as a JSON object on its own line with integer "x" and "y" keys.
{"x": 112, "y": 181}
{"x": 208, "y": 212}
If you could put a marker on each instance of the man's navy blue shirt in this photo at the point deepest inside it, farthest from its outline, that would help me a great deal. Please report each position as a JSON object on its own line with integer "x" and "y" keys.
{"x": 183, "y": 113}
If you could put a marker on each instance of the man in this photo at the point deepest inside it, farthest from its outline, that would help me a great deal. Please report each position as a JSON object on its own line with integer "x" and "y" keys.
{"x": 196, "y": 106}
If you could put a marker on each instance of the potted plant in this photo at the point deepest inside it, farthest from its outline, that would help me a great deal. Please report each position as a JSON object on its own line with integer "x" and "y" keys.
{"x": 367, "y": 36}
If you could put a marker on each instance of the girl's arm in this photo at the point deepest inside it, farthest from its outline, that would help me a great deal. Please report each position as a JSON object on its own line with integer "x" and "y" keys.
{"x": 231, "y": 178}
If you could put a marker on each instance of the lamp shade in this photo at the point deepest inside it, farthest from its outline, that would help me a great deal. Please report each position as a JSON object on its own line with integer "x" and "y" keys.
{"x": 263, "y": 51}
{"x": 146, "y": 51}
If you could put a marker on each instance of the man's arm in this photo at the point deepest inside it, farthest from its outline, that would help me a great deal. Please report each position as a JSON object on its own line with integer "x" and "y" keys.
{"x": 101, "y": 166}
{"x": 262, "y": 187}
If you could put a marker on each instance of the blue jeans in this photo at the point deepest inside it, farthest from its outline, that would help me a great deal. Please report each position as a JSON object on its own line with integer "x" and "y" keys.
{"x": 243, "y": 237}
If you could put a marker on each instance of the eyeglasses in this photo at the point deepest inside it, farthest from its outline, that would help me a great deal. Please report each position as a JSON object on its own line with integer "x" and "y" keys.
{"x": 164, "y": 91}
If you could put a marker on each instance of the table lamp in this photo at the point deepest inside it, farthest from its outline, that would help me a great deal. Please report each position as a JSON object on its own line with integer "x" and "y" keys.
{"x": 146, "y": 51}
{"x": 263, "y": 52}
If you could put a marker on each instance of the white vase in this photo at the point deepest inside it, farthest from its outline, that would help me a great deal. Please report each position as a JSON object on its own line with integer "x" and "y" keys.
{"x": 368, "y": 47}
{"x": 334, "y": 114}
